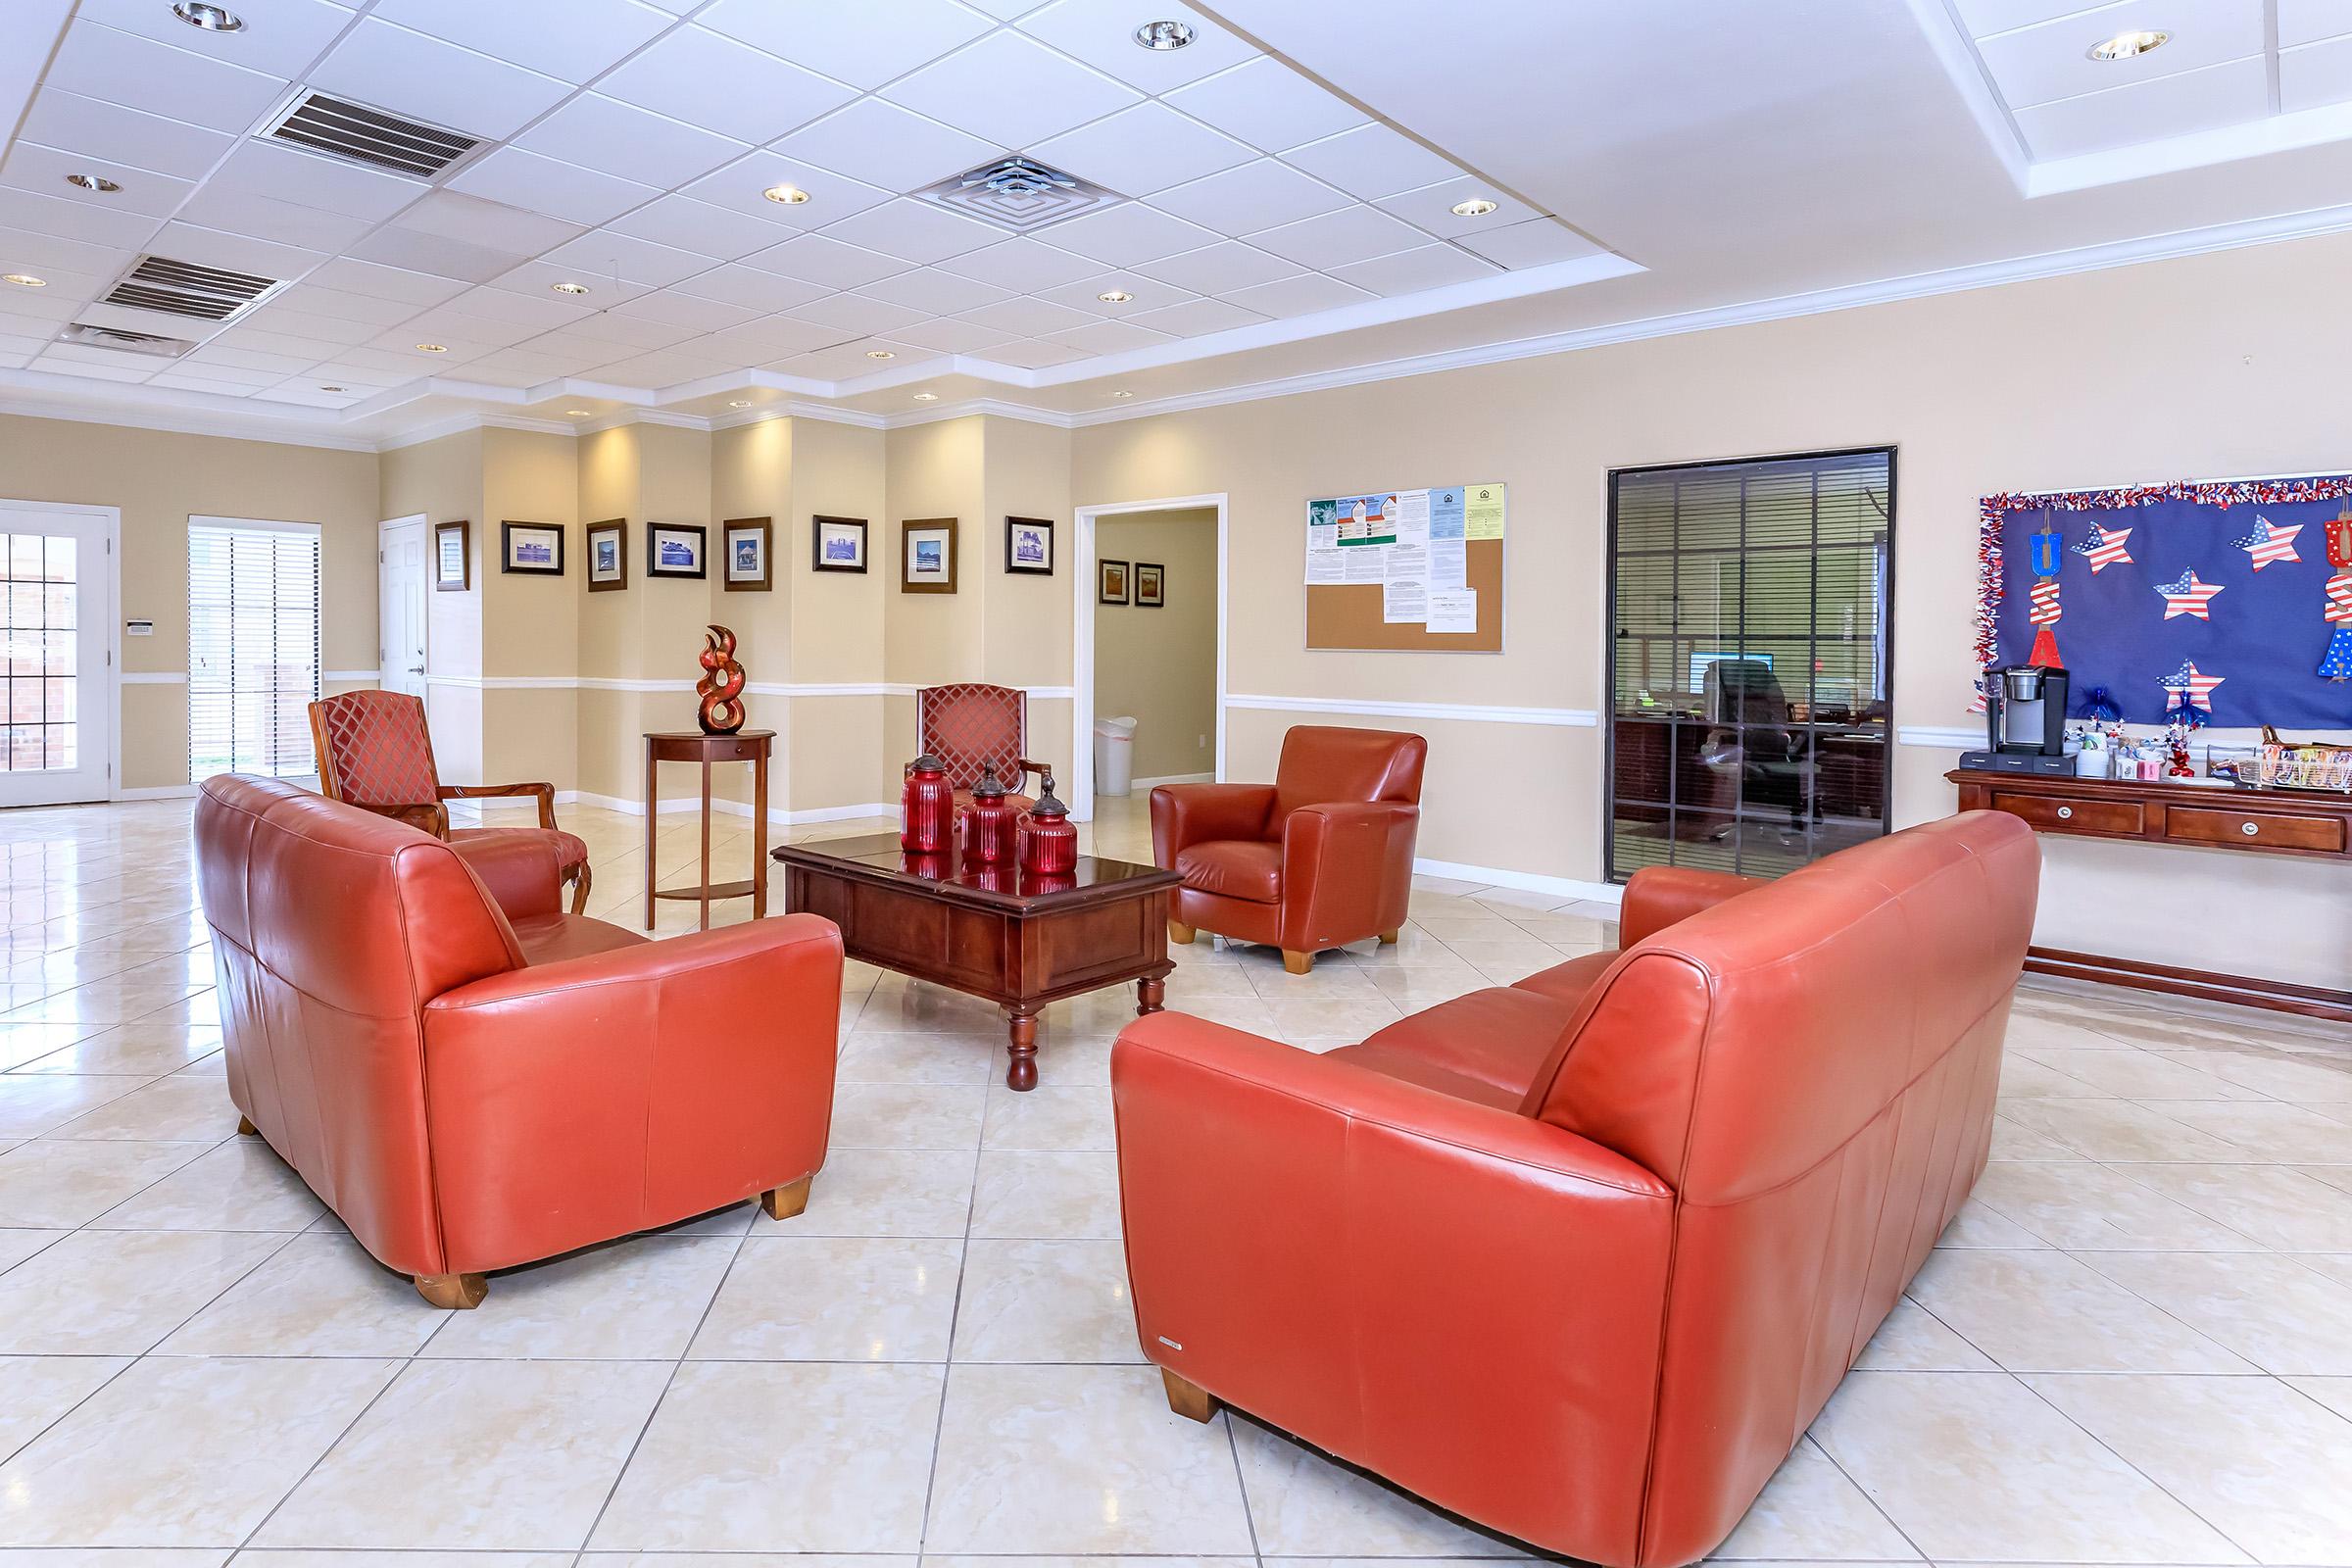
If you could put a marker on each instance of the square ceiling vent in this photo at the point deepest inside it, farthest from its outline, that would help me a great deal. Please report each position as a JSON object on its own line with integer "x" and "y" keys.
{"x": 361, "y": 134}
{"x": 171, "y": 287}
{"x": 1019, "y": 194}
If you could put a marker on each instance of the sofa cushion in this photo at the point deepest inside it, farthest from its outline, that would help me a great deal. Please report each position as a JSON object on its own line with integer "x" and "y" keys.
{"x": 553, "y": 938}
{"x": 1568, "y": 982}
{"x": 1234, "y": 868}
{"x": 1484, "y": 1047}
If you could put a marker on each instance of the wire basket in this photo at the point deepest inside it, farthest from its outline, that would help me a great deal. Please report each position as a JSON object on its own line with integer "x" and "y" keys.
{"x": 2299, "y": 768}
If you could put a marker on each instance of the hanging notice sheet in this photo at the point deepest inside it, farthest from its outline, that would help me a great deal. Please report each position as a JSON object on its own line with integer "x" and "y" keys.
{"x": 1417, "y": 547}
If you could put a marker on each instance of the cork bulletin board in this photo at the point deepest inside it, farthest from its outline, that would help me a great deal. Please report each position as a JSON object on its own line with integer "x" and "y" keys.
{"x": 1407, "y": 570}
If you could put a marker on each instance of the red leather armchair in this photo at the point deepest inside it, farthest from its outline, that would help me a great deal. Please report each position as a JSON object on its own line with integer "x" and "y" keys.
{"x": 1321, "y": 857}
{"x": 1581, "y": 1258}
{"x": 471, "y": 1078}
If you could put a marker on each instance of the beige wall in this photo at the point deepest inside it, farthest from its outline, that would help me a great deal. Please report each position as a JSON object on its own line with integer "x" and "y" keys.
{"x": 1160, "y": 666}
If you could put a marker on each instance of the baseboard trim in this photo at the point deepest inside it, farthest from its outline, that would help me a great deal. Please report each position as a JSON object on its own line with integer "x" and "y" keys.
{"x": 1134, "y": 784}
{"x": 2246, "y": 991}
{"x": 1495, "y": 876}
{"x": 155, "y": 792}
{"x": 673, "y": 807}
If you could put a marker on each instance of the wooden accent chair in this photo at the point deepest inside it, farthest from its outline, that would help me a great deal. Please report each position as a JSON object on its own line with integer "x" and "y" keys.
{"x": 376, "y": 753}
{"x": 969, "y": 725}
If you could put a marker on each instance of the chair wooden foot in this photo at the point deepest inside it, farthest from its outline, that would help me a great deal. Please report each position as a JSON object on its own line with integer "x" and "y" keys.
{"x": 1298, "y": 962}
{"x": 1181, "y": 934}
{"x": 1188, "y": 1398}
{"x": 245, "y": 1126}
{"x": 1387, "y": 939}
{"x": 580, "y": 888}
{"x": 783, "y": 1202}
{"x": 453, "y": 1293}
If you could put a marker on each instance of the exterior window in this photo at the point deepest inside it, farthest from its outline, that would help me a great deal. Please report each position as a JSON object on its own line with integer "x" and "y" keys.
{"x": 1749, "y": 609}
{"x": 252, "y": 646}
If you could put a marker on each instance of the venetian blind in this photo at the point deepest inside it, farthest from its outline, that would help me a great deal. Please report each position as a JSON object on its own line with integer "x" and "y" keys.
{"x": 252, "y": 646}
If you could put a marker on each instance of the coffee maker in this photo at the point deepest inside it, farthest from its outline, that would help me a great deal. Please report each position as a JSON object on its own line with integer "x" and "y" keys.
{"x": 2025, "y": 721}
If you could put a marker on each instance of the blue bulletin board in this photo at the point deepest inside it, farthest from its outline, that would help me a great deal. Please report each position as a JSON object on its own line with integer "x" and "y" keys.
{"x": 2233, "y": 599}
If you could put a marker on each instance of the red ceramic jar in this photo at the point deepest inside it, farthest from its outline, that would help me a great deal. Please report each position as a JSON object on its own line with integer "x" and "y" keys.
{"x": 1048, "y": 839}
{"x": 989, "y": 823}
{"x": 927, "y": 809}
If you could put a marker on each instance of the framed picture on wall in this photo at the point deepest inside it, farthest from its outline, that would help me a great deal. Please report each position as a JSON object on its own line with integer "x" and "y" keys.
{"x": 608, "y": 556}
{"x": 746, "y": 540}
{"x": 1029, "y": 546}
{"x": 927, "y": 556}
{"x": 534, "y": 549}
{"x": 1151, "y": 585}
{"x": 837, "y": 544}
{"x": 453, "y": 556}
{"x": 1111, "y": 582}
{"x": 674, "y": 549}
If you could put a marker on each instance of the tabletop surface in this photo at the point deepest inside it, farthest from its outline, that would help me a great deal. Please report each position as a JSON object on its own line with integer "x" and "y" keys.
{"x": 699, "y": 735}
{"x": 878, "y": 855}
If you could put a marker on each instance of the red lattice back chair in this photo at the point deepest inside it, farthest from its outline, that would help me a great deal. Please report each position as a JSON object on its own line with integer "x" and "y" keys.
{"x": 376, "y": 753}
{"x": 968, "y": 726}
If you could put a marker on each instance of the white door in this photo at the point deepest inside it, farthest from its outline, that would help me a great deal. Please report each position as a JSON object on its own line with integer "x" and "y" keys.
{"x": 401, "y": 581}
{"x": 57, "y": 572}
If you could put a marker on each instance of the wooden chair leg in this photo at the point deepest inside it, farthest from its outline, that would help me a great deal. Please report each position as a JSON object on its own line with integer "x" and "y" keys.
{"x": 1387, "y": 939}
{"x": 453, "y": 1293}
{"x": 1188, "y": 1398}
{"x": 783, "y": 1202}
{"x": 1298, "y": 962}
{"x": 1181, "y": 934}
{"x": 247, "y": 1128}
{"x": 580, "y": 888}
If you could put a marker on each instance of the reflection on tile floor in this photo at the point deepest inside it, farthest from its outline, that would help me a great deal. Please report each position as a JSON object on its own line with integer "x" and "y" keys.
{"x": 2134, "y": 1347}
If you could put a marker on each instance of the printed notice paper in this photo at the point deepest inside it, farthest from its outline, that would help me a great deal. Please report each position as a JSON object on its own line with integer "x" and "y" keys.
{"x": 1453, "y": 611}
{"x": 1449, "y": 565}
{"x": 1482, "y": 512}
{"x": 1404, "y": 600}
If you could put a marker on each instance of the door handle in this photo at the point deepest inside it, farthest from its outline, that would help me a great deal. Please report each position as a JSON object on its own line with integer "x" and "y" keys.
{"x": 416, "y": 669}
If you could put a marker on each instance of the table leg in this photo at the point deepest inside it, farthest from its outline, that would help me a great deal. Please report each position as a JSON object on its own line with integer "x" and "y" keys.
{"x": 1149, "y": 997}
{"x": 706, "y": 870}
{"x": 653, "y": 816}
{"x": 760, "y": 834}
{"x": 1020, "y": 1074}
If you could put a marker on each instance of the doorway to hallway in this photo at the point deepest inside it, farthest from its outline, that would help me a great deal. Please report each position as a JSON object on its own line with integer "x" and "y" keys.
{"x": 1150, "y": 670}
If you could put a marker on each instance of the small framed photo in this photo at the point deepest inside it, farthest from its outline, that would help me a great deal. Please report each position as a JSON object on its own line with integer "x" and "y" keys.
{"x": 452, "y": 556}
{"x": 1111, "y": 582}
{"x": 927, "y": 556}
{"x": 534, "y": 549}
{"x": 674, "y": 549}
{"x": 837, "y": 544}
{"x": 608, "y": 556}
{"x": 1029, "y": 546}
{"x": 1151, "y": 585}
{"x": 746, "y": 540}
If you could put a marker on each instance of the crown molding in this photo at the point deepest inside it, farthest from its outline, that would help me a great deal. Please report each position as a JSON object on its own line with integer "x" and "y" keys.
{"x": 227, "y": 424}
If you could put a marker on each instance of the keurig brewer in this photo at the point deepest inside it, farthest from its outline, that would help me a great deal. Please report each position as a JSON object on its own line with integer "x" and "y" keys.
{"x": 2024, "y": 721}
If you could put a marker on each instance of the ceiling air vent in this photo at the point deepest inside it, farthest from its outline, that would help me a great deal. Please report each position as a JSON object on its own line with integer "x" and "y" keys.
{"x": 1019, "y": 194}
{"x": 184, "y": 288}
{"x": 375, "y": 137}
{"x": 112, "y": 337}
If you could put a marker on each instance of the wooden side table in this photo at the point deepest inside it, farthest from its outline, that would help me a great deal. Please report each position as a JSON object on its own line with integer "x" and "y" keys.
{"x": 751, "y": 745}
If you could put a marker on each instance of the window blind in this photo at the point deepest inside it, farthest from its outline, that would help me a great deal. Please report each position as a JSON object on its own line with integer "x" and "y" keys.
{"x": 252, "y": 646}
{"x": 1748, "y": 619}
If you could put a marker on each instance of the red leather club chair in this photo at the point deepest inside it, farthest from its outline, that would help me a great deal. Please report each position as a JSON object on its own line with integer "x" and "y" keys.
{"x": 471, "y": 1078}
{"x": 1321, "y": 857}
{"x": 969, "y": 726}
{"x": 1581, "y": 1258}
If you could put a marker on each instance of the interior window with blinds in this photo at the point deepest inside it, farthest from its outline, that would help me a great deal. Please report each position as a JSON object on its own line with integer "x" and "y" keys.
{"x": 252, "y": 646}
{"x": 1748, "y": 640}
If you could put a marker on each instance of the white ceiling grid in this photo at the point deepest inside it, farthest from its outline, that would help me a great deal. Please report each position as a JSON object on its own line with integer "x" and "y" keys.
{"x": 628, "y": 147}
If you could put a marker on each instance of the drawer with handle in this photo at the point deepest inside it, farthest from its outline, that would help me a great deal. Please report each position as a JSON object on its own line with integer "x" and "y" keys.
{"x": 2269, "y": 830}
{"x": 2062, "y": 813}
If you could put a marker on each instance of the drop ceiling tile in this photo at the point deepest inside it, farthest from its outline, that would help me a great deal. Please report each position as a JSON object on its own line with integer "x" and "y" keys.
{"x": 184, "y": 380}
{"x": 410, "y": 73}
{"x": 275, "y": 170}
{"x": 64, "y": 297}
{"x": 69, "y": 361}
{"x": 1128, "y": 235}
{"x": 1148, "y": 294}
{"x": 954, "y": 337}
{"x": 386, "y": 282}
{"x": 1221, "y": 268}
{"x": 409, "y": 251}
{"x": 1256, "y": 195}
{"x": 1028, "y": 318}
{"x": 661, "y": 371}
{"x": 761, "y": 341}
{"x": 306, "y": 394}
{"x": 48, "y": 312}
{"x": 259, "y": 340}
{"x": 1101, "y": 32}
{"x": 621, "y": 334}
{"x": 122, "y": 68}
{"x": 537, "y": 281}
{"x": 449, "y": 326}
{"x": 1432, "y": 207}
{"x": 606, "y": 254}
{"x": 599, "y": 132}
{"x": 1353, "y": 233}
{"x": 887, "y": 146}
{"x": 43, "y": 170}
{"x": 244, "y": 212}
{"x": 1268, "y": 105}
{"x": 1539, "y": 242}
{"x": 1980, "y": 19}
{"x": 190, "y": 242}
{"x": 685, "y": 310}
{"x": 1144, "y": 149}
{"x": 316, "y": 299}
{"x": 92, "y": 226}
{"x": 118, "y": 134}
{"x": 751, "y": 288}
{"x": 1009, "y": 90}
{"x": 913, "y": 231}
{"x": 742, "y": 186}
{"x": 1023, "y": 265}
{"x": 232, "y": 375}
{"x": 863, "y": 45}
{"x": 453, "y": 215}
{"x": 541, "y": 312}
{"x": 25, "y": 252}
{"x": 817, "y": 259}
{"x": 846, "y": 362}
{"x": 1371, "y": 162}
{"x": 2040, "y": 64}
{"x": 275, "y": 317}
{"x": 1111, "y": 337}
{"x": 698, "y": 227}
{"x": 277, "y": 365}
{"x": 396, "y": 369}
{"x": 281, "y": 36}
{"x": 572, "y": 40}
{"x": 1302, "y": 295}
{"x": 423, "y": 360}
{"x": 2300, "y": 22}
{"x": 697, "y": 76}
{"x": 549, "y": 185}
{"x": 1007, "y": 10}
{"x": 855, "y": 312}
{"x": 1411, "y": 271}
{"x": 1036, "y": 353}
{"x": 2315, "y": 75}
{"x": 933, "y": 292}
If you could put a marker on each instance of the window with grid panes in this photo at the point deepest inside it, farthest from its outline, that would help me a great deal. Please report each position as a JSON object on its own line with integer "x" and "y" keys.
{"x": 252, "y": 646}
{"x": 38, "y": 575}
{"x": 1748, "y": 639}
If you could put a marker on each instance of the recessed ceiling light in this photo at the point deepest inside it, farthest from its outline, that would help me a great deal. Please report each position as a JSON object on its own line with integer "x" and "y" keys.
{"x": 569, "y": 288}
{"x": 789, "y": 195}
{"x": 880, "y": 354}
{"x": 24, "y": 280}
{"x": 97, "y": 182}
{"x": 740, "y": 403}
{"x": 575, "y": 413}
{"x": 1162, "y": 36}
{"x": 926, "y": 397}
{"x": 212, "y": 19}
{"x": 1114, "y": 296}
{"x": 432, "y": 347}
{"x": 1122, "y": 394}
{"x": 2129, "y": 45}
{"x": 1475, "y": 206}
{"x": 330, "y": 389}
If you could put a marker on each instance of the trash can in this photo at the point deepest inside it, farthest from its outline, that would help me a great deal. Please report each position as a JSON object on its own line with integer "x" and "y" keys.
{"x": 1115, "y": 756}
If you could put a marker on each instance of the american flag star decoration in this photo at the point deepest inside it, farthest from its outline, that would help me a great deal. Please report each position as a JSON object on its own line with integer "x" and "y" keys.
{"x": 2268, "y": 542}
{"x": 2188, "y": 595}
{"x": 2191, "y": 685}
{"x": 2104, "y": 547}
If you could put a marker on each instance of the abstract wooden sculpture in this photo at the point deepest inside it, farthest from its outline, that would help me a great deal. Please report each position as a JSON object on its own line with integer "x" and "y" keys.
{"x": 722, "y": 686}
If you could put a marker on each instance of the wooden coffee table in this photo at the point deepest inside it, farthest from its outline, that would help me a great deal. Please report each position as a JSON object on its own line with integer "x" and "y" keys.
{"x": 1015, "y": 938}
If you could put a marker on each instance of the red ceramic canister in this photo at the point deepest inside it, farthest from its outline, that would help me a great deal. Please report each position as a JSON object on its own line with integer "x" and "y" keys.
{"x": 1048, "y": 839}
{"x": 989, "y": 823}
{"x": 927, "y": 809}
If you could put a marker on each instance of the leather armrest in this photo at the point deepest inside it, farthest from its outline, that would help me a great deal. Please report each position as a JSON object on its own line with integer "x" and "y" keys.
{"x": 1186, "y": 814}
{"x": 546, "y": 793}
{"x": 1347, "y": 870}
{"x": 1660, "y": 895}
{"x": 522, "y": 871}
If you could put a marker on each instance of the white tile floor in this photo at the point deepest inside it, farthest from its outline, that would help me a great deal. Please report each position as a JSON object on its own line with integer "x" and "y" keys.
{"x": 2134, "y": 1347}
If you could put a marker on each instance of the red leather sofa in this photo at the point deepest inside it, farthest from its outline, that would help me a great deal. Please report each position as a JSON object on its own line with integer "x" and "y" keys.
{"x": 1321, "y": 857}
{"x": 1581, "y": 1258}
{"x": 471, "y": 1078}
